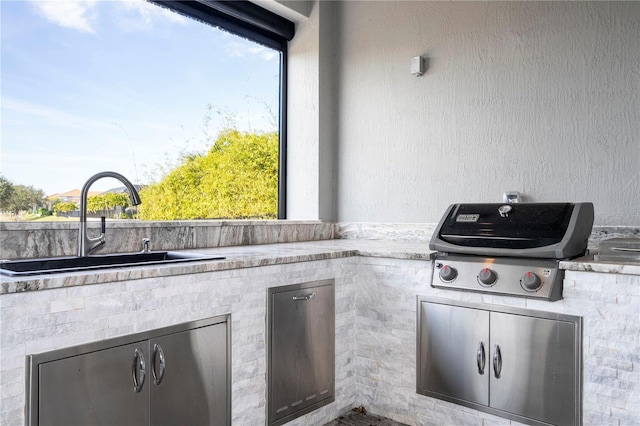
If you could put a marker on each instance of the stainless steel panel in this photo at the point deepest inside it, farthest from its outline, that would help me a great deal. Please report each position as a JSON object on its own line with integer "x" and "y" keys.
{"x": 95, "y": 383}
{"x": 536, "y": 356}
{"x": 509, "y": 272}
{"x": 537, "y": 378}
{"x": 193, "y": 382}
{"x": 453, "y": 352}
{"x": 301, "y": 349}
{"x": 94, "y": 388}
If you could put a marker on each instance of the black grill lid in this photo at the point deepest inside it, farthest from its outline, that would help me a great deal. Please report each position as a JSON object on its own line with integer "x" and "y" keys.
{"x": 543, "y": 230}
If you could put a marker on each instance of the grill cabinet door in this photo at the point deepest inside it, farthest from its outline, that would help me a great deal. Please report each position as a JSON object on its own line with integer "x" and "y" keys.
{"x": 537, "y": 376}
{"x": 302, "y": 334}
{"x": 453, "y": 342}
{"x": 94, "y": 388}
{"x": 193, "y": 382}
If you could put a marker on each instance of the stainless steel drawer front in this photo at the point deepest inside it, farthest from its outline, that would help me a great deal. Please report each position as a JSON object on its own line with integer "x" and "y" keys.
{"x": 301, "y": 349}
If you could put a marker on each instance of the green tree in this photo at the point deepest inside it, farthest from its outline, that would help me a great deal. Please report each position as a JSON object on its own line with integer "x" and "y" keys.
{"x": 107, "y": 201}
{"x": 236, "y": 178}
{"x": 43, "y": 211}
{"x": 6, "y": 191}
{"x": 24, "y": 198}
{"x": 64, "y": 207}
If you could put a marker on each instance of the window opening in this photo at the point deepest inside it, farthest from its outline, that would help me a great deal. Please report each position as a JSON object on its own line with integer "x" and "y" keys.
{"x": 140, "y": 89}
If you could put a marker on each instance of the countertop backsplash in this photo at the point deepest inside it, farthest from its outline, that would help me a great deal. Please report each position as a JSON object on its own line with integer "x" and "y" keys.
{"x": 28, "y": 240}
{"x": 422, "y": 232}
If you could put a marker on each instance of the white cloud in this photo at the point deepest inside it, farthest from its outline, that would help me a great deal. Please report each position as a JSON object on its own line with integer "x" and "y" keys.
{"x": 243, "y": 49}
{"x": 76, "y": 14}
{"x": 82, "y": 15}
{"x": 137, "y": 15}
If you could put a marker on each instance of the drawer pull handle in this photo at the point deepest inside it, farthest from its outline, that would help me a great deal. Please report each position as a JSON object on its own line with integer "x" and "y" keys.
{"x": 305, "y": 297}
{"x": 497, "y": 361}
{"x": 138, "y": 366}
{"x": 159, "y": 354}
{"x": 481, "y": 358}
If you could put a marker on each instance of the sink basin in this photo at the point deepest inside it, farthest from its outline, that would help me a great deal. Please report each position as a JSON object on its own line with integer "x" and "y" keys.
{"x": 53, "y": 265}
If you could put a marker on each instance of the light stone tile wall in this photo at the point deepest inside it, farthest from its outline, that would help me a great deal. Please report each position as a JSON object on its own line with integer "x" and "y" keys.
{"x": 386, "y": 299}
{"x": 386, "y": 292}
{"x": 40, "y": 321}
{"x": 610, "y": 305}
{"x": 375, "y": 334}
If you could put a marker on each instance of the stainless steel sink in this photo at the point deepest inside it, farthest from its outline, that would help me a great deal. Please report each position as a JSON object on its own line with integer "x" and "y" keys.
{"x": 53, "y": 265}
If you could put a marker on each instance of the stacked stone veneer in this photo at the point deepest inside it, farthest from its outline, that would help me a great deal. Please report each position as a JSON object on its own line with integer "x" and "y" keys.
{"x": 610, "y": 306}
{"x": 39, "y": 321}
{"x": 375, "y": 334}
{"x": 386, "y": 343}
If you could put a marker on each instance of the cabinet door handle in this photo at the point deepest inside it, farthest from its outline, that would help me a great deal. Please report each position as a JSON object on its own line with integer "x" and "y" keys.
{"x": 158, "y": 354}
{"x": 305, "y": 297}
{"x": 138, "y": 370}
{"x": 497, "y": 361}
{"x": 481, "y": 358}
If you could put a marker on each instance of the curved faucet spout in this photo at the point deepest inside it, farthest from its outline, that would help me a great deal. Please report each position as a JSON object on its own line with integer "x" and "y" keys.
{"x": 85, "y": 244}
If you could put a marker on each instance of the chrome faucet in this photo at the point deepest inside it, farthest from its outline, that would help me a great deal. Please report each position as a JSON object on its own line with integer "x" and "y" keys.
{"x": 85, "y": 244}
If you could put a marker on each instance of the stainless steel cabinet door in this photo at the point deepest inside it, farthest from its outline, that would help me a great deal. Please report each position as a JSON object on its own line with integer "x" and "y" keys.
{"x": 302, "y": 334}
{"x": 188, "y": 378}
{"x": 453, "y": 348}
{"x": 533, "y": 367}
{"x": 96, "y": 388}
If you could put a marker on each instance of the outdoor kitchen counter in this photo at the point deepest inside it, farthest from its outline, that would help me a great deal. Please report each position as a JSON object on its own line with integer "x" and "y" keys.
{"x": 236, "y": 257}
{"x": 375, "y": 323}
{"x": 239, "y": 257}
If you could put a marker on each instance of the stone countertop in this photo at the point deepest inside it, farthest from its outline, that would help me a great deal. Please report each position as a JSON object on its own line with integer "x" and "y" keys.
{"x": 588, "y": 264}
{"x": 238, "y": 257}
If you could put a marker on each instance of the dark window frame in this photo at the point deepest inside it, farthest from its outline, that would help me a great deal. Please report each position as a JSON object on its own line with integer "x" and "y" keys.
{"x": 261, "y": 26}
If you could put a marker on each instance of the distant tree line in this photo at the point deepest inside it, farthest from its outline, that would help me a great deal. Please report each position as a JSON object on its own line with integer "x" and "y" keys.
{"x": 18, "y": 198}
{"x": 237, "y": 178}
{"x": 106, "y": 203}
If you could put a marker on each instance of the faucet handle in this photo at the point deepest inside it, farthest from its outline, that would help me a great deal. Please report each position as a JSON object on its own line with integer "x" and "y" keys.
{"x": 145, "y": 245}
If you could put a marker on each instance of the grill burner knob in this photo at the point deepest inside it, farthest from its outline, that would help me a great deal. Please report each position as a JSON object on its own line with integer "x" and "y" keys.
{"x": 447, "y": 273}
{"x": 487, "y": 277}
{"x": 530, "y": 281}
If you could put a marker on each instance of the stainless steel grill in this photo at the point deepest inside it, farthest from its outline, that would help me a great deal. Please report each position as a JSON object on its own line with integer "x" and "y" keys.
{"x": 511, "y": 249}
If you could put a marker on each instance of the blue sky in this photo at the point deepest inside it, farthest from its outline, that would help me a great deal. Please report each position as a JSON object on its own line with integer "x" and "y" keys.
{"x": 88, "y": 86}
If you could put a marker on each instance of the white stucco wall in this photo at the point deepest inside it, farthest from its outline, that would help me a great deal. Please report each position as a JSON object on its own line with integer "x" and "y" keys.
{"x": 537, "y": 97}
{"x": 311, "y": 116}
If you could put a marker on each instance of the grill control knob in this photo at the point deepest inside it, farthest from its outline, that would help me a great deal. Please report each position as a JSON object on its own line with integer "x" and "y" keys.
{"x": 487, "y": 277}
{"x": 530, "y": 281}
{"x": 447, "y": 273}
